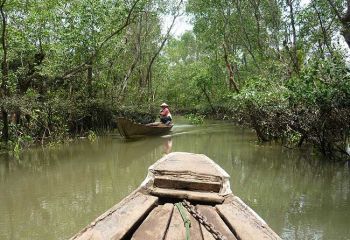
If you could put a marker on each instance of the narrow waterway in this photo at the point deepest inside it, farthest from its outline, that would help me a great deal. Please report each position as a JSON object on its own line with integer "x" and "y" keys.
{"x": 52, "y": 193}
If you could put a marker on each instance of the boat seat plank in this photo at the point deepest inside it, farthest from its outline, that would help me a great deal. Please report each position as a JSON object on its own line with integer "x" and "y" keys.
{"x": 246, "y": 224}
{"x": 213, "y": 217}
{"x": 116, "y": 223}
{"x": 190, "y": 195}
{"x": 188, "y": 184}
{"x": 155, "y": 225}
{"x": 193, "y": 163}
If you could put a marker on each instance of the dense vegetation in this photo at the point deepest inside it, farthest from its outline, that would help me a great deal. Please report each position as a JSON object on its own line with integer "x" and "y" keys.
{"x": 278, "y": 66}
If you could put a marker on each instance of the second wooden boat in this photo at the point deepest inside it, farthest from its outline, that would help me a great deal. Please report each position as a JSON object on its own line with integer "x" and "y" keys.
{"x": 128, "y": 128}
{"x": 184, "y": 196}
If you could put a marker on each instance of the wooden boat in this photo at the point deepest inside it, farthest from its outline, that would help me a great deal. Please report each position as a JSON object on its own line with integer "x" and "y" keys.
{"x": 181, "y": 189}
{"x": 128, "y": 128}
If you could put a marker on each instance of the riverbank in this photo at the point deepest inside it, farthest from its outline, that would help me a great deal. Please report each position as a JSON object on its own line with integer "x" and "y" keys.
{"x": 324, "y": 128}
{"x": 41, "y": 128}
{"x": 292, "y": 127}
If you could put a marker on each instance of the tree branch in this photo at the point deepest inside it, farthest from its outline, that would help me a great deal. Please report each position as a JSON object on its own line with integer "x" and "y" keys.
{"x": 230, "y": 70}
{"x": 84, "y": 66}
{"x": 337, "y": 13}
{"x": 324, "y": 33}
{"x": 163, "y": 42}
{"x": 126, "y": 23}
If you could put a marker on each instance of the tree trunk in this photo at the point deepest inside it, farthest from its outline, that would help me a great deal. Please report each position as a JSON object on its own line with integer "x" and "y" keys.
{"x": 208, "y": 98}
{"x": 346, "y": 24}
{"x": 5, "y": 128}
{"x": 345, "y": 20}
{"x": 247, "y": 43}
{"x": 232, "y": 83}
{"x": 324, "y": 31}
{"x": 4, "y": 68}
{"x": 89, "y": 79}
{"x": 294, "y": 35}
{"x": 149, "y": 68}
{"x": 256, "y": 11}
{"x": 137, "y": 59}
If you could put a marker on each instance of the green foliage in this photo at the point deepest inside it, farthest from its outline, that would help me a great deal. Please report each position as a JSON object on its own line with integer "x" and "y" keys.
{"x": 322, "y": 82}
{"x": 195, "y": 118}
{"x": 16, "y": 150}
{"x": 92, "y": 136}
{"x": 313, "y": 107}
{"x": 73, "y": 66}
{"x": 294, "y": 85}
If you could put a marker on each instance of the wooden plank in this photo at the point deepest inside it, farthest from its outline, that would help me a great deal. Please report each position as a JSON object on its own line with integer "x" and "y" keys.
{"x": 195, "y": 230}
{"x": 155, "y": 225}
{"x": 190, "y": 195}
{"x": 195, "y": 169}
{"x": 177, "y": 230}
{"x": 246, "y": 224}
{"x": 213, "y": 217}
{"x": 206, "y": 234}
{"x": 181, "y": 162}
{"x": 186, "y": 184}
{"x": 117, "y": 221}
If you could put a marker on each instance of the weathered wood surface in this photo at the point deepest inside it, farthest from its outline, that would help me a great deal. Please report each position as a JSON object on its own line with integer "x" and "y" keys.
{"x": 167, "y": 180}
{"x": 176, "y": 229}
{"x": 190, "y": 195}
{"x": 156, "y": 224}
{"x": 244, "y": 221}
{"x": 195, "y": 230}
{"x": 206, "y": 235}
{"x": 116, "y": 222}
{"x": 213, "y": 217}
{"x": 198, "y": 164}
{"x": 186, "y": 184}
{"x": 197, "y": 172}
{"x": 128, "y": 128}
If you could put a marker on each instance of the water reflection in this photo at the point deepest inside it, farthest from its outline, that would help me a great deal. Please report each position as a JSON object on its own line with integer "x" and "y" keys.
{"x": 167, "y": 145}
{"x": 65, "y": 187}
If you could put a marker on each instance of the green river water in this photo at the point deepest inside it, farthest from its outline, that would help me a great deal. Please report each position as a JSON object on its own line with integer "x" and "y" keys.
{"x": 51, "y": 193}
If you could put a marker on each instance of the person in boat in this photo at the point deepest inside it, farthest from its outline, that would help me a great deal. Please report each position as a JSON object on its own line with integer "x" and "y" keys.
{"x": 165, "y": 115}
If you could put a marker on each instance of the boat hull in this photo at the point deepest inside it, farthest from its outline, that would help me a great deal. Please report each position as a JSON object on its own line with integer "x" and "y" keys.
{"x": 150, "y": 213}
{"x": 130, "y": 129}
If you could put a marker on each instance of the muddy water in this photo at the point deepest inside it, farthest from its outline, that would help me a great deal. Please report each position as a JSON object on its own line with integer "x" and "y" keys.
{"x": 52, "y": 193}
